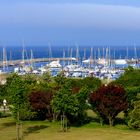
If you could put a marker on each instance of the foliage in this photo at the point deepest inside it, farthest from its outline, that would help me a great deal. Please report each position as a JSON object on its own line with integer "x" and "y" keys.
{"x": 64, "y": 102}
{"x": 130, "y": 78}
{"x": 18, "y": 92}
{"x": 3, "y": 94}
{"x": 30, "y": 80}
{"x": 40, "y": 102}
{"x": 81, "y": 116}
{"x": 47, "y": 77}
{"x": 91, "y": 83}
{"x": 134, "y": 115}
{"x": 60, "y": 79}
{"x": 108, "y": 101}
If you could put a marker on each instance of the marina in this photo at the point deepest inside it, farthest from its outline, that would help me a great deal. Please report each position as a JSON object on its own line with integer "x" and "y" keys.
{"x": 72, "y": 62}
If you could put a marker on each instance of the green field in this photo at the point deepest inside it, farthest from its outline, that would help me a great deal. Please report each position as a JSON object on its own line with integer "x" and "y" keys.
{"x": 44, "y": 130}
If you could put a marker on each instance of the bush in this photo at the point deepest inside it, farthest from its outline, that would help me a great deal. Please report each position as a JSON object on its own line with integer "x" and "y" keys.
{"x": 134, "y": 116}
{"x": 6, "y": 114}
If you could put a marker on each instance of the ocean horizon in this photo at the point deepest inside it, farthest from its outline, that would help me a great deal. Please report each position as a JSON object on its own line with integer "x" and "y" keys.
{"x": 117, "y": 52}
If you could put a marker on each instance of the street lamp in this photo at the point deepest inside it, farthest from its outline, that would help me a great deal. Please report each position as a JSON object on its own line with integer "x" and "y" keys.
{"x": 4, "y": 104}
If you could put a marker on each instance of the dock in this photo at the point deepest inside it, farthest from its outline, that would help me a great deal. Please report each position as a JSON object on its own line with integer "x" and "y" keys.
{"x": 36, "y": 60}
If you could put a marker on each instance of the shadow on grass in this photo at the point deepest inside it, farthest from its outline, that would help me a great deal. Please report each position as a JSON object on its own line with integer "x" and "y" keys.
{"x": 8, "y": 124}
{"x": 85, "y": 122}
{"x": 35, "y": 129}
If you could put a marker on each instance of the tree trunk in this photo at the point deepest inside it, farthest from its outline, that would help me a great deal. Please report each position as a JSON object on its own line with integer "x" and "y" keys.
{"x": 110, "y": 121}
{"x": 101, "y": 121}
{"x": 18, "y": 137}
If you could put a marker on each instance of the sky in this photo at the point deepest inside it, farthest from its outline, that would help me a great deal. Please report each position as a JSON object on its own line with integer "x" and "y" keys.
{"x": 69, "y": 22}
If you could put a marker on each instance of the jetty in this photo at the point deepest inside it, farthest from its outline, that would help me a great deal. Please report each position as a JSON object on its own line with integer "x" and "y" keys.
{"x": 35, "y": 60}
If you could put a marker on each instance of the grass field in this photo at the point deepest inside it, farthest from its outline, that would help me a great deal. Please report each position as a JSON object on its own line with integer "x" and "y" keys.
{"x": 44, "y": 130}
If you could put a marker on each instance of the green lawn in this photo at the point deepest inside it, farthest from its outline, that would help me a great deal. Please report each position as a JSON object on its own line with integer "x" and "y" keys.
{"x": 44, "y": 130}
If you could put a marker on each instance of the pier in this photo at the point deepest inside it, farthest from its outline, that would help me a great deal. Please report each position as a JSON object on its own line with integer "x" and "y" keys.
{"x": 21, "y": 62}
{"x": 26, "y": 61}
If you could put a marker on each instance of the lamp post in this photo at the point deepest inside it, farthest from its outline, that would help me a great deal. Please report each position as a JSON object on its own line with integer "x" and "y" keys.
{"x": 4, "y": 104}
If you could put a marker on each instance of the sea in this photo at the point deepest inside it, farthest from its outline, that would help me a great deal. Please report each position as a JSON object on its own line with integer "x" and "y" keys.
{"x": 114, "y": 52}
{"x": 117, "y": 52}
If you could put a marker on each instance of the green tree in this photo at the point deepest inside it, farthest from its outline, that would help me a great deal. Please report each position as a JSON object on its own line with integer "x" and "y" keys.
{"x": 91, "y": 83}
{"x": 134, "y": 115}
{"x": 64, "y": 103}
{"x": 18, "y": 90}
{"x": 60, "y": 79}
{"x": 130, "y": 78}
{"x": 81, "y": 117}
{"x": 18, "y": 93}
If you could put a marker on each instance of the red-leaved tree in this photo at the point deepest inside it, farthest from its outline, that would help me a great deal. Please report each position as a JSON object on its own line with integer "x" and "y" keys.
{"x": 108, "y": 101}
{"x": 40, "y": 102}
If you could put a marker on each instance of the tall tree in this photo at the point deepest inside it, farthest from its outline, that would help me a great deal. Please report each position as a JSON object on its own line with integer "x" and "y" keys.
{"x": 18, "y": 91}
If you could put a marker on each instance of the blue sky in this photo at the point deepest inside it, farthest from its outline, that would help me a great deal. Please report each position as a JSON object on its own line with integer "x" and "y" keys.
{"x": 66, "y": 22}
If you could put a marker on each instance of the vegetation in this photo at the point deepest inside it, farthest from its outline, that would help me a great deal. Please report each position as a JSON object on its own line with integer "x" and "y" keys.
{"x": 130, "y": 78}
{"x": 68, "y": 100}
{"x": 108, "y": 101}
{"x": 18, "y": 97}
{"x": 40, "y": 103}
{"x": 42, "y": 130}
{"x": 130, "y": 81}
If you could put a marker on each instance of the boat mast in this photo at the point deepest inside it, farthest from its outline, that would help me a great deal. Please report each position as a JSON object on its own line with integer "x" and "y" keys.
{"x": 91, "y": 56}
{"x": 71, "y": 55}
{"x": 10, "y": 60}
{"x": 99, "y": 54}
{"x": 64, "y": 58}
{"x": 23, "y": 51}
{"x": 103, "y": 52}
{"x": 135, "y": 53}
{"x": 84, "y": 57}
{"x": 31, "y": 59}
{"x": 50, "y": 53}
{"x": 68, "y": 56}
{"x": 84, "y": 54}
{"x": 106, "y": 56}
{"x": 127, "y": 53}
{"x": 94, "y": 56}
{"x": 109, "y": 57}
{"x": 77, "y": 54}
{"x": 4, "y": 59}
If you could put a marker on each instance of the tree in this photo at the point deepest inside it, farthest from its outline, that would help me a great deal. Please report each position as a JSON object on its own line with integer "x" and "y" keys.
{"x": 134, "y": 115}
{"x": 64, "y": 103}
{"x": 108, "y": 101}
{"x": 81, "y": 117}
{"x": 40, "y": 102}
{"x": 60, "y": 79}
{"x": 130, "y": 78}
{"x": 91, "y": 83}
{"x": 18, "y": 91}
